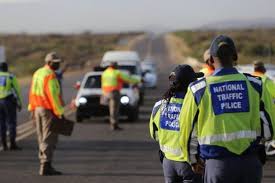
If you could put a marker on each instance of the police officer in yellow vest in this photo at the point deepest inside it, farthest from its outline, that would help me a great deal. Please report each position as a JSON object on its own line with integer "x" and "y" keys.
{"x": 224, "y": 110}
{"x": 260, "y": 70}
{"x": 164, "y": 125}
{"x": 112, "y": 81}
{"x": 10, "y": 100}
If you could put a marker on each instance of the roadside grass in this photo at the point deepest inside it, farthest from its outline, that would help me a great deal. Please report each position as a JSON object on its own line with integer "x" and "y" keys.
{"x": 25, "y": 53}
{"x": 252, "y": 44}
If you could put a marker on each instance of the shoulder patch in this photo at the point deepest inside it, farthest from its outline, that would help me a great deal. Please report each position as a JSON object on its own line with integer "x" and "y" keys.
{"x": 198, "y": 89}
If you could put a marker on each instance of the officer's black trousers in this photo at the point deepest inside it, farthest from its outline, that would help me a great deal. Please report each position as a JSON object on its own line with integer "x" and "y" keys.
{"x": 241, "y": 169}
{"x": 8, "y": 119}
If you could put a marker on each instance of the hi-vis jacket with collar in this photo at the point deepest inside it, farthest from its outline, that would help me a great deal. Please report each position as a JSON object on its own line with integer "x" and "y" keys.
{"x": 45, "y": 91}
{"x": 228, "y": 112}
{"x": 165, "y": 127}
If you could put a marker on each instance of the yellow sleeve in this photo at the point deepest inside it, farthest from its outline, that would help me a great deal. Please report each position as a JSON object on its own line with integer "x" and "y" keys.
{"x": 187, "y": 122}
{"x": 17, "y": 90}
{"x": 128, "y": 78}
{"x": 269, "y": 100}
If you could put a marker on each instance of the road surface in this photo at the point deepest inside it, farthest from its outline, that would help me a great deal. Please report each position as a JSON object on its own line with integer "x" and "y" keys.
{"x": 96, "y": 154}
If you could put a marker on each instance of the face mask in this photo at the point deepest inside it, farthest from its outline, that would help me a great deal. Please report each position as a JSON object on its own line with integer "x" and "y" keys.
{"x": 55, "y": 65}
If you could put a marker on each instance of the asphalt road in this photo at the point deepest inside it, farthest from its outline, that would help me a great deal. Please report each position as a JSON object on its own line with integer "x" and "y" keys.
{"x": 94, "y": 153}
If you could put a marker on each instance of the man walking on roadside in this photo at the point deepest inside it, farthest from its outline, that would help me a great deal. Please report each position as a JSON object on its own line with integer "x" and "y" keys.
{"x": 10, "y": 100}
{"x": 45, "y": 103}
{"x": 112, "y": 82}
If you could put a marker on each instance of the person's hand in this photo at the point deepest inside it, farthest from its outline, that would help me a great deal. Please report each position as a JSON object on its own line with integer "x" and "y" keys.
{"x": 198, "y": 167}
{"x": 33, "y": 118}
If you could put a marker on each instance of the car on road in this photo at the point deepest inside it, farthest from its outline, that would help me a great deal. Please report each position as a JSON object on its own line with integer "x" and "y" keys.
{"x": 129, "y": 61}
{"x": 149, "y": 71}
{"x": 87, "y": 101}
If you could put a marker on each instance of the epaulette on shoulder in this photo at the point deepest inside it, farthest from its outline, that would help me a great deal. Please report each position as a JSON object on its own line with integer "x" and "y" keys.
{"x": 198, "y": 88}
{"x": 255, "y": 81}
{"x": 198, "y": 85}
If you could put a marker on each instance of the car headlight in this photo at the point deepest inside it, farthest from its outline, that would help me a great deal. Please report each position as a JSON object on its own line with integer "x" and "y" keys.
{"x": 124, "y": 100}
{"x": 82, "y": 100}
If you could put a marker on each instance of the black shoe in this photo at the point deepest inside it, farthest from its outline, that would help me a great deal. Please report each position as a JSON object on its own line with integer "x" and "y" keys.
{"x": 15, "y": 148}
{"x": 116, "y": 128}
{"x": 55, "y": 172}
{"x": 47, "y": 170}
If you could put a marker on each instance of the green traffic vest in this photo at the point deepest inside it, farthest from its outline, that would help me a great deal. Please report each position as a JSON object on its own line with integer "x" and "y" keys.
{"x": 229, "y": 113}
{"x": 268, "y": 96}
{"x": 6, "y": 86}
{"x": 224, "y": 110}
{"x": 164, "y": 127}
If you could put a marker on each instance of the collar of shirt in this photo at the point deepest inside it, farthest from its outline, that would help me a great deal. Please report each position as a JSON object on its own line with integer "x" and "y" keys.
{"x": 225, "y": 71}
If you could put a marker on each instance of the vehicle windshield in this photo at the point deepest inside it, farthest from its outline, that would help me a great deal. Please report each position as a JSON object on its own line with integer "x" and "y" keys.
{"x": 131, "y": 68}
{"x": 148, "y": 68}
{"x": 95, "y": 82}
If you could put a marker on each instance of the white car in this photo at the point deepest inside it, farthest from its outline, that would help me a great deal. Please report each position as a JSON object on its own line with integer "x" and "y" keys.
{"x": 149, "y": 71}
{"x": 88, "y": 104}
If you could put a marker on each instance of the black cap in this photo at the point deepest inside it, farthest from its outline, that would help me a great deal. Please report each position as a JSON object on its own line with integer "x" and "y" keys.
{"x": 184, "y": 74}
{"x": 259, "y": 66}
{"x": 222, "y": 40}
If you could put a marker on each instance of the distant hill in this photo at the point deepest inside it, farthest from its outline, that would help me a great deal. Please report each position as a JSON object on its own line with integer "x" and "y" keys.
{"x": 252, "y": 44}
{"x": 25, "y": 52}
{"x": 240, "y": 24}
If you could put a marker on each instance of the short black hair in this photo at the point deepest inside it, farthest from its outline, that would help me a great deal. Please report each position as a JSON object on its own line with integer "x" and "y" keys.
{"x": 226, "y": 55}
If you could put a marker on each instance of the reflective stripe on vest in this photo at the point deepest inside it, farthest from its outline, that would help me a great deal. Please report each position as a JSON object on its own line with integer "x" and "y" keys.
{"x": 167, "y": 149}
{"x": 227, "y": 137}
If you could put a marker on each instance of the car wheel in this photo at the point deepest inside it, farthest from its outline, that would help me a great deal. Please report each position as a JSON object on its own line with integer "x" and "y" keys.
{"x": 133, "y": 114}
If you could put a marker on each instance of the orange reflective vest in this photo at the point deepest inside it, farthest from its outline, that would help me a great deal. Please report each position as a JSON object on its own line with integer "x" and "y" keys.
{"x": 45, "y": 91}
{"x": 207, "y": 70}
{"x": 113, "y": 79}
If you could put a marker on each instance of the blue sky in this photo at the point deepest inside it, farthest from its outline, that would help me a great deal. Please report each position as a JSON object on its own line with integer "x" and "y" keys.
{"x": 121, "y": 15}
